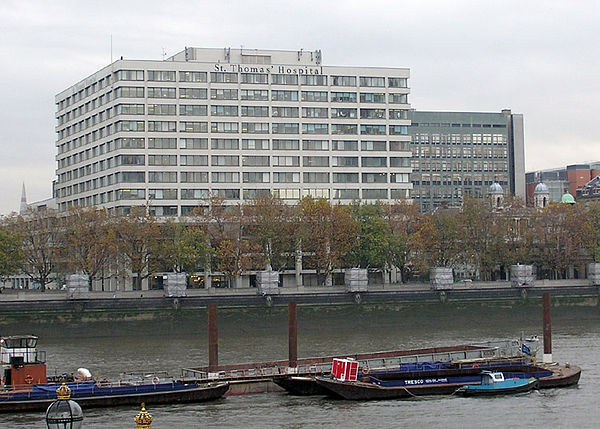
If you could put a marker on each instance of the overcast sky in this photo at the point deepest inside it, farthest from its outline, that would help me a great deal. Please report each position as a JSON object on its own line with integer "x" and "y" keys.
{"x": 539, "y": 58}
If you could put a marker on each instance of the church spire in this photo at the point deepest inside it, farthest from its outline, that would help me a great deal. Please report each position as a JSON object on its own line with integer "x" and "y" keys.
{"x": 23, "y": 207}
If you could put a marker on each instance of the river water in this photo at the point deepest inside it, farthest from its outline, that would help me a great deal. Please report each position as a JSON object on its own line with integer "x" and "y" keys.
{"x": 110, "y": 348}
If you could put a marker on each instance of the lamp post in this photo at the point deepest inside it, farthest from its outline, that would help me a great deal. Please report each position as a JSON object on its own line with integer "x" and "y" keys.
{"x": 64, "y": 413}
{"x": 143, "y": 420}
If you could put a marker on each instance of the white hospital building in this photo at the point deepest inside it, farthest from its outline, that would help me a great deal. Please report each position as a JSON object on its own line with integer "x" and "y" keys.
{"x": 232, "y": 123}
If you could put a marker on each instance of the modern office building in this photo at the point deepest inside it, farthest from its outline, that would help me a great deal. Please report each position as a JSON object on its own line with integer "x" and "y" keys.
{"x": 235, "y": 124}
{"x": 463, "y": 153}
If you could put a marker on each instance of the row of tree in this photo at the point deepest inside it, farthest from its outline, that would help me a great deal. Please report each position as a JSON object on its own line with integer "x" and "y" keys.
{"x": 269, "y": 233}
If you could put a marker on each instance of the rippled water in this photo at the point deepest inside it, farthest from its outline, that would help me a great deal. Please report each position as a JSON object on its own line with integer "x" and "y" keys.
{"x": 108, "y": 349}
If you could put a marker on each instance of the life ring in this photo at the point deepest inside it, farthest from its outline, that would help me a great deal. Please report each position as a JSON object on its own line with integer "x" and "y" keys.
{"x": 28, "y": 379}
{"x": 475, "y": 366}
{"x": 155, "y": 380}
{"x": 365, "y": 371}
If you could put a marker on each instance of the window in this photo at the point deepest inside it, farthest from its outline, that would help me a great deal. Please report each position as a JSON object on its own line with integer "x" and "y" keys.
{"x": 283, "y": 144}
{"x": 190, "y": 76}
{"x": 162, "y": 159}
{"x": 253, "y": 78}
{"x": 161, "y": 109}
{"x": 193, "y": 143}
{"x": 130, "y": 109}
{"x": 367, "y": 161}
{"x": 162, "y": 194}
{"x": 315, "y": 161}
{"x": 255, "y": 59}
{"x": 130, "y": 177}
{"x": 255, "y": 161}
{"x": 284, "y": 112}
{"x": 255, "y": 144}
{"x": 130, "y": 75}
{"x": 225, "y": 160}
{"x": 162, "y": 177}
{"x": 397, "y": 82}
{"x": 195, "y": 194}
{"x": 372, "y": 129}
{"x": 193, "y": 127}
{"x": 223, "y": 94}
{"x": 129, "y": 126}
{"x": 399, "y": 162}
{"x": 374, "y": 194}
{"x": 286, "y": 177}
{"x": 192, "y": 93}
{"x": 284, "y": 128}
{"x": 194, "y": 177}
{"x": 192, "y": 110}
{"x": 280, "y": 95}
{"x": 131, "y": 194}
{"x": 161, "y": 92}
{"x": 286, "y": 161}
{"x": 343, "y": 113}
{"x": 374, "y": 177}
{"x": 344, "y": 129}
{"x": 343, "y": 80}
{"x": 131, "y": 160}
{"x": 315, "y": 144}
{"x": 255, "y": 193}
{"x": 313, "y": 80}
{"x": 201, "y": 160}
{"x": 223, "y": 110}
{"x": 162, "y": 126}
{"x": 368, "y": 97}
{"x": 372, "y": 81}
{"x": 314, "y": 112}
{"x": 227, "y": 194}
{"x": 223, "y": 77}
{"x": 225, "y": 177}
{"x": 255, "y": 111}
{"x": 343, "y": 97}
{"x": 225, "y": 144}
{"x": 314, "y": 96}
{"x": 287, "y": 194}
{"x": 255, "y": 128}
{"x": 224, "y": 127}
{"x": 254, "y": 94}
{"x": 345, "y": 177}
{"x": 373, "y": 145}
{"x": 398, "y": 130}
{"x": 315, "y": 129}
{"x": 397, "y": 146}
{"x": 130, "y": 143}
{"x": 372, "y": 113}
{"x": 284, "y": 79}
{"x": 345, "y": 145}
{"x": 345, "y": 194}
{"x": 399, "y": 177}
{"x": 162, "y": 143}
{"x": 398, "y": 114}
{"x": 255, "y": 177}
{"x": 161, "y": 76}
{"x": 130, "y": 92}
{"x": 309, "y": 177}
{"x": 315, "y": 193}
{"x": 344, "y": 161}
{"x": 398, "y": 98}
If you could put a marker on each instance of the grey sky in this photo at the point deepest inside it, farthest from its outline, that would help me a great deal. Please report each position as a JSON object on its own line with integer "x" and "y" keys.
{"x": 539, "y": 58}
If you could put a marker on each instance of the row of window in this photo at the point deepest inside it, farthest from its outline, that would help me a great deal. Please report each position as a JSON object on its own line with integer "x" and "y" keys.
{"x": 457, "y": 139}
{"x": 459, "y": 152}
{"x": 260, "y": 78}
{"x": 475, "y": 165}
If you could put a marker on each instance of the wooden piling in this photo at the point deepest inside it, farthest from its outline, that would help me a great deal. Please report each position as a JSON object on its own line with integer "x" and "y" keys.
{"x": 293, "y": 334}
{"x": 547, "y": 328}
{"x": 213, "y": 338}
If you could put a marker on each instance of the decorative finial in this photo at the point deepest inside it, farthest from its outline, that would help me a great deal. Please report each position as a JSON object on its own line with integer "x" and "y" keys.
{"x": 143, "y": 420}
{"x": 63, "y": 393}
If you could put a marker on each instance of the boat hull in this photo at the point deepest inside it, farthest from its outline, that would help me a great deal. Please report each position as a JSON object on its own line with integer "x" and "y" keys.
{"x": 195, "y": 394}
{"x": 481, "y": 390}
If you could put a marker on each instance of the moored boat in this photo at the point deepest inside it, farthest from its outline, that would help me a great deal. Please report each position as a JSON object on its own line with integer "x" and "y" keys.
{"x": 494, "y": 383}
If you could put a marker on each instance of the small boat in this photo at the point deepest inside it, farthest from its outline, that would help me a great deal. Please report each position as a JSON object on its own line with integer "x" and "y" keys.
{"x": 494, "y": 383}
{"x": 25, "y": 386}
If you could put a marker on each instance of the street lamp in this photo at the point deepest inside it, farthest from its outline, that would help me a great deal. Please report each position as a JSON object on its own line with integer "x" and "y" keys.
{"x": 64, "y": 413}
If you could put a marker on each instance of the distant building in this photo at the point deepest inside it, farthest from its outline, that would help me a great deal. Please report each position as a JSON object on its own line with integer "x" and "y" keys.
{"x": 463, "y": 153}
{"x": 571, "y": 179}
{"x": 591, "y": 190}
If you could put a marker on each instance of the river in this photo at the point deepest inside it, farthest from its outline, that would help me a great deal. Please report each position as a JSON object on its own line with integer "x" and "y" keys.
{"x": 110, "y": 348}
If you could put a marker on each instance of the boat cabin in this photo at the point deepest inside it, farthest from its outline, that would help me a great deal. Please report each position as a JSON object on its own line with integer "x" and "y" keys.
{"x": 22, "y": 364}
{"x": 489, "y": 378}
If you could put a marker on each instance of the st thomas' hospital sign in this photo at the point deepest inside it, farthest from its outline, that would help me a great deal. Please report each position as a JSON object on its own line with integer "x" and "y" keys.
{"x": 238, "y": 68}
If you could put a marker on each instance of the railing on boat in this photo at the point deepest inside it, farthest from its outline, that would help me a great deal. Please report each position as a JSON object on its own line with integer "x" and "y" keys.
{"x": 488, "y": 350}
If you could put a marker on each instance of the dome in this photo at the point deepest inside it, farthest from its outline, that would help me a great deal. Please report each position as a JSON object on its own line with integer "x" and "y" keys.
{"x": 541, "y": 188}
{"x": 567, "y": 199}
{"x": 495, "y": 188}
